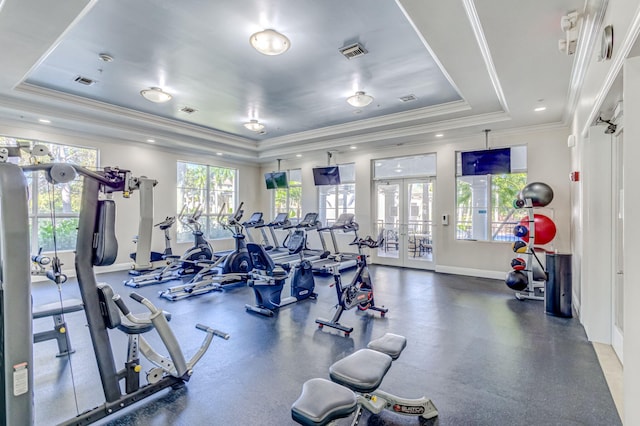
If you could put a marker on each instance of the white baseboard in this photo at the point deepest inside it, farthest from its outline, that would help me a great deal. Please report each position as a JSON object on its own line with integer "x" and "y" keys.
{"x": 482, "y": 273}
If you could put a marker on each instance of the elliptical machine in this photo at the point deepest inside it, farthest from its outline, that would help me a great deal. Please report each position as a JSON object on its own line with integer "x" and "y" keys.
{"x": 179, "y": 266}
{"x": 267, "y": 278}
{"x": 231, "y": 268}
{"x": 359, "y": 292}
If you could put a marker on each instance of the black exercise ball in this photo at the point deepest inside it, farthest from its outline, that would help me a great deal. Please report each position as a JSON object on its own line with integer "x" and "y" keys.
{"x": 517, "y": 280}
{"x": 540, "y": 194}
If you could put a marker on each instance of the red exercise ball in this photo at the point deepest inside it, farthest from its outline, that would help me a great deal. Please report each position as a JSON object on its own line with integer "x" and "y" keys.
{"x": 545, "y": 229}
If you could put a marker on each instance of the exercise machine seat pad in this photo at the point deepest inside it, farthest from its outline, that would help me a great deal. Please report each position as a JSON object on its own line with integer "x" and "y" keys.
{"x": 321, "y": 402}
{"x": 362, "y": 371}
{"x": 390, "y": 344}
{"x": 54, "y": 308}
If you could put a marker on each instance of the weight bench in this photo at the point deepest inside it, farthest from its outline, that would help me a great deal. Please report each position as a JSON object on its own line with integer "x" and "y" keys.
{"x": 59, "y": 332}
{"x": 354, "y": 385}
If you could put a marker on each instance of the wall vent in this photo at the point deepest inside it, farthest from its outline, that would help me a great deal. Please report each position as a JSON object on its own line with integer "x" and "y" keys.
{"x": 84, "y": 80}
{"x": 408, "y": 98}
{"x": 188, "y": 110}
{"x": 353, "y": 51}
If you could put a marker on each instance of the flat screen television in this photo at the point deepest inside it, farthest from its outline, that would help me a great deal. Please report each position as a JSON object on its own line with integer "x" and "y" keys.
{"x": 486, "y": 162}
{"x": 275, "y": 180}
{"x": 326, "y": 175}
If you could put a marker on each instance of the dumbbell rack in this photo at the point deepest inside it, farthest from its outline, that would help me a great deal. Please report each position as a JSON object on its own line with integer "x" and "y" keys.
{"x": 534, "y": 289}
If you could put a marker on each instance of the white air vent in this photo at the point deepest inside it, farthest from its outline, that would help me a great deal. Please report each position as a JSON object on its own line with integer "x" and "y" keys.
{"x": 408, "y": 98}
{"x": 188, "y": 110}
{"x": 353, "y": 51}
{"x": 84, "y": 80}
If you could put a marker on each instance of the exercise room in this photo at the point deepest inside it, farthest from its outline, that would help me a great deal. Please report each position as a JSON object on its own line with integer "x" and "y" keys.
{"x": 319, "y": 213}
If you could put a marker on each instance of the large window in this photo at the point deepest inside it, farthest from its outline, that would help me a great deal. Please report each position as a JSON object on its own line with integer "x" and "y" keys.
{"x": 206, "y": 188}
{"x": 337, "y": 199}
{"x": 289, "y": 199}
{"x": 484, "y": 204}
{"x": 54, "y": 209}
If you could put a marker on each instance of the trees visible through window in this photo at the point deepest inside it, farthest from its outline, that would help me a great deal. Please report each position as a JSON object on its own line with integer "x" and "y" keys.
{"x": 337, "y": 199}
{"x": 289, "y": 199}
{"x": 207, "y": 188}
{"x": 485, "y": 203}
{"x": 64, "y": 200}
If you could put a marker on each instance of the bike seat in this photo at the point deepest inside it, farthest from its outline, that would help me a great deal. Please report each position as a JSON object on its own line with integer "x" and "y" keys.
{"x": 322, "y": 402}
{"x": 362, "y": 371}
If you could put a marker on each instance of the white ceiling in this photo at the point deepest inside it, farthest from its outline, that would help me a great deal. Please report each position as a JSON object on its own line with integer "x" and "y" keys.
{"x": 470, "y": 65}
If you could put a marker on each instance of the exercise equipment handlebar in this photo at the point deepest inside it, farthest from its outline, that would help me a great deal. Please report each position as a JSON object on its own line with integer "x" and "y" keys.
{"x": 218, "y": 333}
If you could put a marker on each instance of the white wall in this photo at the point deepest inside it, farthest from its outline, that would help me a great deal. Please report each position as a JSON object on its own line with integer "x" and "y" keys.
{"x": 631, "y": 344}
{"x": 548, "y": 161}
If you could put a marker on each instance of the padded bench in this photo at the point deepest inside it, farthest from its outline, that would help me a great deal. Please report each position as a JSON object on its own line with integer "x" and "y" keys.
{"x": 323, "y": 401}
{"x": 59, "y": 332}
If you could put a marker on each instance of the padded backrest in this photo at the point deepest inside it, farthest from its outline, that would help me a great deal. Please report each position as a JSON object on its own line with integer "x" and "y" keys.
{"x": 105, "y": 246}
{"x": 108, "y": 308}
{"x": 261, "y": 260}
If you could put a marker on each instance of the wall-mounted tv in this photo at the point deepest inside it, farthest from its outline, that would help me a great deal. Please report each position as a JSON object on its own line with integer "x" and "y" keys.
{"x": 326, "y": 175}
{"x": 275, "y": 180}
{"x": 486, "y": 162}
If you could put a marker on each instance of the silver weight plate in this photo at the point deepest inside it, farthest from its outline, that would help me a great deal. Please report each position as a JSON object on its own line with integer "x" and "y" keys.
{"x": 62, "y": 173}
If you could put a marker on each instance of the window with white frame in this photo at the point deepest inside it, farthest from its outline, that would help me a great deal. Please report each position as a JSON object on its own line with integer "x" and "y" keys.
{"x": 54, "y": 209}
{"x": 484, "y": 203}
{"x": 289, "y": 200}
{"x": 207, "y": 189}
{"x": 337, "y": 199}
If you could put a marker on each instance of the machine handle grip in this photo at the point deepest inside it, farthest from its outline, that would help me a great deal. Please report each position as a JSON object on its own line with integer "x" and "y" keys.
{"x": 136, "y": 297}
{"x": 121, "y": 305}
{"x": 218, "y": 333}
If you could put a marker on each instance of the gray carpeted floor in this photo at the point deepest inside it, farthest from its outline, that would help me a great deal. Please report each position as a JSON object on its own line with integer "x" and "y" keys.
{"x": 482, "y": 356}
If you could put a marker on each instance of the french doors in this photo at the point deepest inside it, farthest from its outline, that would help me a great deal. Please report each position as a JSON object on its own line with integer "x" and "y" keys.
{"x": 404, "y": 213}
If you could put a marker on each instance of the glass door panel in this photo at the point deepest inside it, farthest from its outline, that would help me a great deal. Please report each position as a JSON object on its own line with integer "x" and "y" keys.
{"x": 404, "y": 213}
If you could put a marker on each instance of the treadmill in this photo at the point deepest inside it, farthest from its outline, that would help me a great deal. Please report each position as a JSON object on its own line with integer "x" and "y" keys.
{"x": 255, "y": 222}
{"x": 308, "y": 223}
{"x": 281, "y": 221}
{"x": 338, "y": 260}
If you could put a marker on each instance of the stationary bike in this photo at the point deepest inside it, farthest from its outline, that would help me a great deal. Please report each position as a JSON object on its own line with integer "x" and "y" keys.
{"x": 359, "y": 292}
{"x": 267, "y": 278}
{"x": 180, "y": 266}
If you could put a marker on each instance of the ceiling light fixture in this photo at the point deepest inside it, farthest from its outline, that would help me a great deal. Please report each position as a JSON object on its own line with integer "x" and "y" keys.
{"x": 540, "y": 108}
{"x": 254, "y": 126}
{"x": 151, "y": 140}
{"x": 298, "y": 155}
{"x": 353, "y": 147}
{"x": 359, "y": 100}
{"x": 155, "y": 94}
{"x": 270, "y": 42}
{"x": 44, "y": 120}
{"x": 439, "y": 135}
{"x": 219, "y": 154}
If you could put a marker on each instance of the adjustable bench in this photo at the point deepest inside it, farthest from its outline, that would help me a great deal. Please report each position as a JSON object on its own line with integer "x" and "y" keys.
{"x": 354, "y": 385}
{"x": 59, "y": 332}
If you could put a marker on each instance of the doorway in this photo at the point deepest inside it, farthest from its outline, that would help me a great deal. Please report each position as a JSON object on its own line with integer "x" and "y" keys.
{"x": 404, "y": 213}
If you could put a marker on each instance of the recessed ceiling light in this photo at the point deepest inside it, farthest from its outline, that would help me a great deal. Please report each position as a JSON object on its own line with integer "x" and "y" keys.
{"x": 44, "y": 120}
{"x": 439, "y": 135}
{"x": 254, "y": 126}
{"x": 155, "y": 94}
{"x": 540, "y": 108}
{"x": 105, "y": 57}
{"x": 270, "y": 42}
{"x": 359, "y": 100}
{"x": 298, "y": 155}
{"x": 218, "y": 153}
{"x": 151, "y": 140}
{"x": 353, "y": 147}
